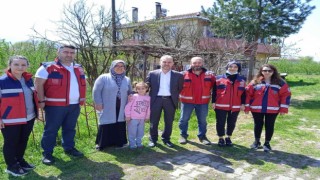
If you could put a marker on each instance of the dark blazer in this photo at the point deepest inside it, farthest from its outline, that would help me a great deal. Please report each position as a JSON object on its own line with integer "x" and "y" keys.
{"x": 176, "y": 85}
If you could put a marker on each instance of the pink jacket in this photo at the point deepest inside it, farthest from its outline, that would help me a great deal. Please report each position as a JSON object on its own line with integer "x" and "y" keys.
{"x": 138, "y": 107}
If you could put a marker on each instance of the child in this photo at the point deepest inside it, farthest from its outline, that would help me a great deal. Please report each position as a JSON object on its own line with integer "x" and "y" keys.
{"x": 137, "y": 111}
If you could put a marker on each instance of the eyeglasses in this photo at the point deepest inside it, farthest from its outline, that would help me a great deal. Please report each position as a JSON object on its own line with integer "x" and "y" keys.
{"x": 269, "y": 71}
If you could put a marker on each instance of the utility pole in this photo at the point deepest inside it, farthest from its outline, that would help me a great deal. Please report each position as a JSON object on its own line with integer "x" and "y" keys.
{"x": 113, "y": 19}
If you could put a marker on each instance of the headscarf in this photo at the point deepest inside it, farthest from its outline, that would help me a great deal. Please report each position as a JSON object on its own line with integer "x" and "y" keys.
{"x": 117, "y": 77}
{"x": 233, "y": 62}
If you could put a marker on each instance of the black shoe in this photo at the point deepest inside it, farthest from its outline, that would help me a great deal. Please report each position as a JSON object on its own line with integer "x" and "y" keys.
{"x": 228, "y": 142}
{"x": 168, "y": 143}
{"x": 204, "y": 140}
{"x": 74, "y": 152}
{"x": 221, "y": 142}
{"x": 152, "y": 144}
{"x": 26, "y": 166}
{"x": 48, "y": 159}
{"x": 266, "y": 147}
{"x": 16, "y": 170}
{"x": 256, "y": 145}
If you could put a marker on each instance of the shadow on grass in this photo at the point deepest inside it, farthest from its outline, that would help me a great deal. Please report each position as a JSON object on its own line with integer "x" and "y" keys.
{"x": 299, "y": 83}
{"x": 166, "y": 158}
{"x": 305, "y": 104}
{"x": 297, "y": 161}
{"x": 78, "y": 168}
{"x": 259, "y": 157}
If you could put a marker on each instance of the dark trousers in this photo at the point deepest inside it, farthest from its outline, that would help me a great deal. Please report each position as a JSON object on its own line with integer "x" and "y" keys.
{"x": 222, "y": 117}
{"x": 169, "y": 109}
{"x": 56, "y": 117}
{"x": 264, "y": 118}
{"x": 15, "y": 141}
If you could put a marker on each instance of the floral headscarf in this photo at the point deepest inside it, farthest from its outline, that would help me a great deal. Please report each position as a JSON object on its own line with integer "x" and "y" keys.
{"x": 117, "y": 77}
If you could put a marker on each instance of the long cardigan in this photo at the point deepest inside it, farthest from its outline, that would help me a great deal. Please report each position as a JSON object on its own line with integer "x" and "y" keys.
{"x": 105, "y": 92}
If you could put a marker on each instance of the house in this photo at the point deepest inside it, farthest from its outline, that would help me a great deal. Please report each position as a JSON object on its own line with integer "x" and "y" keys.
{"x": 190, "y": 32}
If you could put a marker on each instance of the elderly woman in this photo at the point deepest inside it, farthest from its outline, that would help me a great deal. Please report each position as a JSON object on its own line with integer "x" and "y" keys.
{"x": 110, "y": 94}
{"x": 18, "y": 110}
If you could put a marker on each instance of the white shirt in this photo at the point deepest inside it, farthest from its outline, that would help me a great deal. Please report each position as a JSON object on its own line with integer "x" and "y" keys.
{"x": 164, "y": 89}
{"x": 74, "y": 93}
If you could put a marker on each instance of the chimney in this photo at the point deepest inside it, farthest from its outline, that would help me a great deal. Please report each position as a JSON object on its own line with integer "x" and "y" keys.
{"x": 134, "y": 14}
{"x": 158, "y": 10}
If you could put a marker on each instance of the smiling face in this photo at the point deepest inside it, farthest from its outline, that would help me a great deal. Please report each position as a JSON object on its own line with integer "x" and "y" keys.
{"x": 166, "y": 63}
{"x": 267, "y": 72}
{"x": 196, "y": 63}
{"x": 18, "y": 66}
{"x": 233, "y": 68}
{"x": 119, "y": 68}
{"x": 142, "y": 90}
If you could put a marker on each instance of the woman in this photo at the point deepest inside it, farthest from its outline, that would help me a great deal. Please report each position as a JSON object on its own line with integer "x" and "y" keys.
{"x": 267, "y": 96}
{"x": 228, "y": 98}
{"x": 110, "y": 94}
{"x": 18, "y": 110}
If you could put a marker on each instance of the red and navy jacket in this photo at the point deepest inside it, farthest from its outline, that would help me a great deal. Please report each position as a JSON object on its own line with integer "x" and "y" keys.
{"x": 271, "y": 98}
{"x": 197, "y": 88}
{"x": 12, "y": 102}
{"x": 57, "y": 86}
{"x": 227, "y": 94}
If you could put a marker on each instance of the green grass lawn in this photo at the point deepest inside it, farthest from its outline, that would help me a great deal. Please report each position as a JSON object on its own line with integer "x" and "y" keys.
{"x": 296, "y": 138}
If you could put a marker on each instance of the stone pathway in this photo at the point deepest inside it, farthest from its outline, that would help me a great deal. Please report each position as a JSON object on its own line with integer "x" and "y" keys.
{"x": 197, "y": 165}
{"x": 207, "y": 164}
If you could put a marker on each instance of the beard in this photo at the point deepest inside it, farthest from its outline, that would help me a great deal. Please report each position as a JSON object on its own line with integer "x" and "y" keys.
{"x": 196, "y": 68}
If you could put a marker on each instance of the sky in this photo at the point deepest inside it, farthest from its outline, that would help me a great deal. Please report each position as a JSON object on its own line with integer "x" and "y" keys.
{"x": 17, "y": 18}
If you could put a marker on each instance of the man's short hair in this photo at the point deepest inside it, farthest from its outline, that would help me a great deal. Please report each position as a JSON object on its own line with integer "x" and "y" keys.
{"x": 67, "y": 46}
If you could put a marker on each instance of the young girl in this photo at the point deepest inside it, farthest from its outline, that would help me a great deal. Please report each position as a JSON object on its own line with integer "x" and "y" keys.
{"x": 137, "y": 111}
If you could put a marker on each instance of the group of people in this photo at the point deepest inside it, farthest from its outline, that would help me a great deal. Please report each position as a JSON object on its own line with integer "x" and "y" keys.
{"x": 60, "y": 88}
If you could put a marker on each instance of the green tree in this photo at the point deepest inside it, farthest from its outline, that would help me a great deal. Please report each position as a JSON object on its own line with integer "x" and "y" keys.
{"x": 257, "y": 19}
{"x": 36, "y": 51}
{"x": 4, "y": 54}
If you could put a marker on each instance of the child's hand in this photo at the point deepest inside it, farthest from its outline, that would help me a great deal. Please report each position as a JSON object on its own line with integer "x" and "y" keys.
{"x": 128, "y": 119}
{"x": 146, "y": 120}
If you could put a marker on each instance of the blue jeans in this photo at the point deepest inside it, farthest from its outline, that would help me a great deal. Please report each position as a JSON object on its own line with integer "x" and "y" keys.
{"x": 201, "y": 112}
{"x": 56, "y": 117}
{"x": 135, "y": 132}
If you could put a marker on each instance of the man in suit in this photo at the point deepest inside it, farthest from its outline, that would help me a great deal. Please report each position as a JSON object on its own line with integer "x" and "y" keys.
{"x": 165, "y": 85}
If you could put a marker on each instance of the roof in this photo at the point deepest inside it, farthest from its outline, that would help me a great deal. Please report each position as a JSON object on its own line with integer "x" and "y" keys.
{"x": 196, "y": 15}
{"x": 236, "y": 45}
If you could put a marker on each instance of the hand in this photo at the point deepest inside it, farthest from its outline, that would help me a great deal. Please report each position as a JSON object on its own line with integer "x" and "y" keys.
{"x": 1, "y": 124}
{"x": 128, "y": 119}
{"x": 41, "y": 105}
{"x": 282, "y": 113}
{"x": 246, "y": 112}
{"x": 242, "y": 108}
{"x": 213, "y": 105}
{"x": 129, "y": 97}
{"x": 98, "y": 107}
{"x": 146, "y": 120}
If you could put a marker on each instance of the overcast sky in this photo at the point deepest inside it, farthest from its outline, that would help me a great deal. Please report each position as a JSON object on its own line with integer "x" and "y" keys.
{"x": 17, "y": 17}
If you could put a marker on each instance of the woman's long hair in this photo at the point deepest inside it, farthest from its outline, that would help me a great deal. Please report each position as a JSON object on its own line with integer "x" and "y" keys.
{"x": 275, "y": 78}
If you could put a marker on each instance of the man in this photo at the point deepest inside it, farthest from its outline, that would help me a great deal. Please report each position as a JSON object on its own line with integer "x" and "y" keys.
{"x": 165, "y": 85}
{"x": 196, "y": 93}
{"x": 61, "y": 88}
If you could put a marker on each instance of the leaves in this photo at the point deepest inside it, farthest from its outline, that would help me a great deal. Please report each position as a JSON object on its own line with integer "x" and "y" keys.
{"x": 258, "y": 19}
